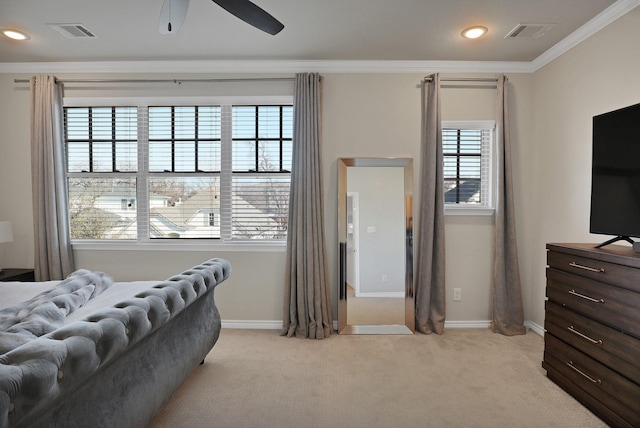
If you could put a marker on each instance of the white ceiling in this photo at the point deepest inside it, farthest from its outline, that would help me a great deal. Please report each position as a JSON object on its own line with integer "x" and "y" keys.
{"x": 375, "y": 30}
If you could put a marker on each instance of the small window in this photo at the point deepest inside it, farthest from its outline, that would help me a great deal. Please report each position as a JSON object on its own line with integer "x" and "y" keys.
{"x": 468, "y": 167}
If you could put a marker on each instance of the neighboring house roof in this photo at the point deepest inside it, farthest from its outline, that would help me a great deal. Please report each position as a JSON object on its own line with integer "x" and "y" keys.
{"x": 182, "y": 212}
{"x": 185, "y": 216}
{"x": 467, "y": 190}
{"x": 119, "y": 192}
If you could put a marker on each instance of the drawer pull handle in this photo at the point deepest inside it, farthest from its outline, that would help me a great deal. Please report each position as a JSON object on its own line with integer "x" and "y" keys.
{"x": 590, "y": 269}
{"x": 584, "y": 336}
{"x": 582, "y": 296}
{"x": 592, "y": 380}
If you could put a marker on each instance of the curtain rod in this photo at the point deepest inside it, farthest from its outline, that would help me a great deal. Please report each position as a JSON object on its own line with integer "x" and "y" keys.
{"x": 227, "y": 80}
{"x": 463, "y": 79}
{"x": 175, "y": 81}
{"x": 223, "y": 80}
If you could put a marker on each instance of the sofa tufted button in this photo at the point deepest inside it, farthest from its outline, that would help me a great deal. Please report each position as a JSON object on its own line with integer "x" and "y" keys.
{"x": 60, "y": 375}
{"x": 126, "y": 331}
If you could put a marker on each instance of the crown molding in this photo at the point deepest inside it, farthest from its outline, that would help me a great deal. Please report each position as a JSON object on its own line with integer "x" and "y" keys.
{"x": 597, "y": 23}
{"x": 606, "y": 17}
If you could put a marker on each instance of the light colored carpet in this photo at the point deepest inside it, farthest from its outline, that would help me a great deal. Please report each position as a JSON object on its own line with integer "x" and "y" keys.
{"x": 464, "y": 378}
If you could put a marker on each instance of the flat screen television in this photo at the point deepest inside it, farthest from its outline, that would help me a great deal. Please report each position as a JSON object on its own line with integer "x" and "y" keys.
{"x": 615, "y": 177}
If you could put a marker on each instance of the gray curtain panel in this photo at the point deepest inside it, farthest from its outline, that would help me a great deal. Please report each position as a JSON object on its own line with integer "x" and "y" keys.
{"x": 508, "y": 313}
{"x": 53, "y": 255}
{"x": 307, "y": 305}
{"x": 430, "y": 273}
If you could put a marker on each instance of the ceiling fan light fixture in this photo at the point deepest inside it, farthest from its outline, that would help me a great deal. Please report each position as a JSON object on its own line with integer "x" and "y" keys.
{"x": 474, "y": 32}
{"x": 14, "y": 34}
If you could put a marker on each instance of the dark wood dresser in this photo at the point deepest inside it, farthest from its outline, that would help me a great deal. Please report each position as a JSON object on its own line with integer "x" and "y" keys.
{"x": 592, "y": 323}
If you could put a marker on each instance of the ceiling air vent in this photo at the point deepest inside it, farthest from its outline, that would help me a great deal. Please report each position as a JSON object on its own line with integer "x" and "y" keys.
{"x": 73, "y": 31}
{"x": 528, "y": 31}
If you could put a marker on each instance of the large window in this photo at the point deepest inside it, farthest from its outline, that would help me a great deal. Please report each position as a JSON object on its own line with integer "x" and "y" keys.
{"x": 155, "y": 172}
{"x": 468, "y": 170}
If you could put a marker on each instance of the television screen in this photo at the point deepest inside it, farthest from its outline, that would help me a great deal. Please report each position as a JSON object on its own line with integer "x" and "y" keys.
{"x": 615, "y": 181}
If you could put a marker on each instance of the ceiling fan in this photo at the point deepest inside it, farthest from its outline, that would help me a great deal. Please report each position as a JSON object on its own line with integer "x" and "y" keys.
{"x": 174, "y": 12}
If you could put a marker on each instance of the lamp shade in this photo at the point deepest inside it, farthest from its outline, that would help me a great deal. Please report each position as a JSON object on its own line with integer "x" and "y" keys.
{"x": 6, "y": 234}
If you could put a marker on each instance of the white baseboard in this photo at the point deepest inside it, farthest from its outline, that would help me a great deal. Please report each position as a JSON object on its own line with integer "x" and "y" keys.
{"x": 529, "y": 325}
{"x": 252, "y": 324}
{"x": 467, "y": 324}
{"x": 277, "y": 325}
{"x": 258, "y": 324}
{"x": 385, "y": 294}
{"x": 536, "y": 328}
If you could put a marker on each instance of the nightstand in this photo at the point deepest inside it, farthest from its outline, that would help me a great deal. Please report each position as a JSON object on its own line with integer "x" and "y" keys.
{"x": 24, "y": 275}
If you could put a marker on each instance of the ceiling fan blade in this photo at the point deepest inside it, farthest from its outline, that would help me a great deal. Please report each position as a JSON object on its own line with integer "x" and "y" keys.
{"x": 172, "y": 16}
{"x": 251, "y": 14}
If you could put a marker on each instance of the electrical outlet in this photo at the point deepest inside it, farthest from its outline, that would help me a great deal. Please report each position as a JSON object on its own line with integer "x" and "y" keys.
{"x": 457, "y": 294}
{"x": 384, "y": 278}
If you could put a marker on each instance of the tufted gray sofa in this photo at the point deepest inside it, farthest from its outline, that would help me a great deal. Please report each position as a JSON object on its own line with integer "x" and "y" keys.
{"x": 118, "y": 366}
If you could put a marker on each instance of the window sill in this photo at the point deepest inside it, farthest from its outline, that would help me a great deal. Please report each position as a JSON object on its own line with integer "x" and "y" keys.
{"x": 468, "y": 211}
{"x": 162, "y": 245}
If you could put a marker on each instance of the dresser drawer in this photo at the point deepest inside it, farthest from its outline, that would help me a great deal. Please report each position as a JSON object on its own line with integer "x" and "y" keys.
{"x": 615, "y": 391}
{"x": 613, "y": 306}
{"x": 592, "y": 403}
{"x": 602, "y": 271}
{"x": 612, "y": 348}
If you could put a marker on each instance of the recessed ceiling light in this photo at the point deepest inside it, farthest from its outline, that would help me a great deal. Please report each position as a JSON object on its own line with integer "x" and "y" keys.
{"x": 474, "y": 32}
{"x": 14, "y": 34}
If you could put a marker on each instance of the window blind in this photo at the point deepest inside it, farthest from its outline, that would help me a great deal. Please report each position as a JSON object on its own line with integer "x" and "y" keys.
{"x": 219, "y": 172}
{"x": 184, "y": 139}
{"x": 260, "y": 173}
{"x": 101, "y": 146}
{"x": 101, "y": 139}
{"x": 467, "y": 165}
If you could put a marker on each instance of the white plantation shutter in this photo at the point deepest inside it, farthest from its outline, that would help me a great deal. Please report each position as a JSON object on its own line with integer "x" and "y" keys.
{"x": 148, "y": 172}
{"x": 468, "y": 163}
{"x": 102, "y": 159}
{"x": 261, "y": 169}
{"x": 184, "y": 139}
{"x": 184, "y": 207}
{"x": 101, "y": 139}
{"x": 184, "y": 171}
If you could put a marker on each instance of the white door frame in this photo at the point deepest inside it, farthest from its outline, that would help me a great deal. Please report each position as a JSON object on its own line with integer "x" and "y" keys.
{"x": 354, "y": 232}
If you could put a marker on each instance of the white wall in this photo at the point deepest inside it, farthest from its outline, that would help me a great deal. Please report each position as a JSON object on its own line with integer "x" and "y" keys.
{"x": 379, "y": 115}
{"x": 599, "y": 75}
{"x": 469, "y": 239}
{"x": 373, "y": 115}
{"x": 15, "y": 173}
